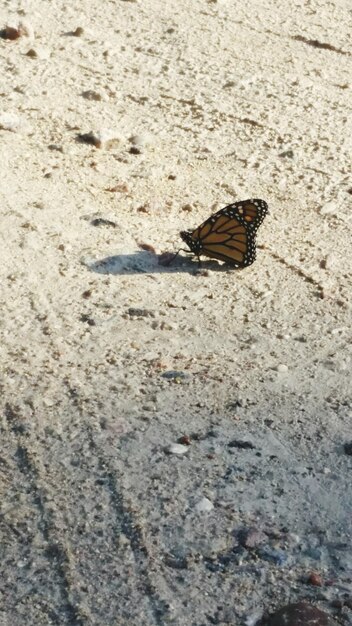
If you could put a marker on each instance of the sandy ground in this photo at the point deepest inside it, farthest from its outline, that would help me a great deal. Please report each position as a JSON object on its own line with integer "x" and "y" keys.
{"x": 207, "y": 102}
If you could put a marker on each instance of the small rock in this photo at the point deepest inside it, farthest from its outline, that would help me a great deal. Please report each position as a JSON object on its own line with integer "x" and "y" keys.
{"x": 55, "y": 147}
{"x": 185, "y": 440}
{"x": 101, "y": 221}
{"x": 147, "y": 247}
{"x": 241, "y": 445}
{"x": 314, "y": 579}
{"x": 348, "y": 448}
{"x": 135, "y": 312}
{"x": 149, "y": 406}
{"x": 14, "y": 31}
{"x": 282, "y": 368}
{"x": 251, "y": 538}
{"x": 90, "y": 94}
{"x": 204, "y": 506}
{"x": 10, "y": 32}
{"x": 78, "y": 32}
{"x": 177, "y": 448}
{"x": 87, "y": 319}
{"x": 11, "y": 122}
{"x": 104, "y": 138}
{"x": 329, "y": 207}
{"x": 176, "y": 562}
{"x": 300, "y": 614}
{"x": 175, "y": 375}
{"x": 135, "y": 150}
{"x": 33, "y": 53}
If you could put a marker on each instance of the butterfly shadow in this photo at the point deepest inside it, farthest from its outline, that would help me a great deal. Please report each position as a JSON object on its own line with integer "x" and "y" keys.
{"x": 144, "y": 262}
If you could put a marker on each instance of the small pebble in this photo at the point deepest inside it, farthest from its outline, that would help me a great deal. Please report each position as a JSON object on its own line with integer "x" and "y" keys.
{"x": 78, "y": 32}
{"x": 149, "y": 406}
{"x": 11, "y": 122}
{"x": 90, "y": 94}
{"x": 282, "y": 368}
{"x": 55, "y": 147}
{"x": 14, "y": 31}
{"x": 185, "y": 440}
{"x": 288, "y": 154}
{"x": 204, "y": 506}
{"x": 175, "y": 375}
{"x": 143, "y": 208}
{"x": 176, "y": 562}
{"x": 177, "y": 448}
{"x": 252, "y": 538}
{"x": 348, "y": 448}
{"x": 329, "y": 207}
{"x": 135, "y": 150}
{"x": 147, "y": 247}
{"x": 10, "y": 32}
{"x": 101, "y": 221}
{"x": 135, "y": 312}
{"x": 35, "y": 53}
{"x": 314, "y": 579}
{"x": 87, "y": 319}
{"x": 241, "y": 445}
{"x": 104, "y": 138}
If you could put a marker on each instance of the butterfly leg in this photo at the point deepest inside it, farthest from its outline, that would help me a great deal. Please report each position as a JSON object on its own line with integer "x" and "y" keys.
{"x": 177, "y": 253}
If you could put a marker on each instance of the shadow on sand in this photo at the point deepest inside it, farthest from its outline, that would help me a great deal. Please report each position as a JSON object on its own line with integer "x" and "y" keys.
{"x": 143, "y": 262}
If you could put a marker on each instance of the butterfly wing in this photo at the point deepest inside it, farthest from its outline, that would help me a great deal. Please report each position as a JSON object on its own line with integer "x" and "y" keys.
{"x": 229, "y": 234}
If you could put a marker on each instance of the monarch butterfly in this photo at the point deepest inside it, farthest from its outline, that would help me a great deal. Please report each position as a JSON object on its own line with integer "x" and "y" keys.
{"x": 229, "y": 235}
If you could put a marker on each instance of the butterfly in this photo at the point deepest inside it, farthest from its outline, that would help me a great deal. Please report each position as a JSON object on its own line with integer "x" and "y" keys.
{"x": 229, "y": 235}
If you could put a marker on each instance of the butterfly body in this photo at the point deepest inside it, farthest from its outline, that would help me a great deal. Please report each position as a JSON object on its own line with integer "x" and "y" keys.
{"x": 229, "y": 235}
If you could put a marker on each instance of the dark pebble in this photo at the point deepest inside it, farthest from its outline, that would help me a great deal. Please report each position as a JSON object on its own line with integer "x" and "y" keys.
{"x": 101, "y": 221}
{"x": 251, "y": 538}
{"x": 176, "y": 562}
{"x": 175, "y": 375}
{"x": 134, "y": 312}
{"x": 87, "y": 319}
{"x": 242, "y": 445}
{"x": 348, "y": 448}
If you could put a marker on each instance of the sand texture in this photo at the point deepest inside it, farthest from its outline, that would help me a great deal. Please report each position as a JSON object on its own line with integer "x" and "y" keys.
{"x": 175, "y": 443}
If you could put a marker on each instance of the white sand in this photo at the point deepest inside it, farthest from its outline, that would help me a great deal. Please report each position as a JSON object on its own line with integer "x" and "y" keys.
{"x": 228, "y": 100}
